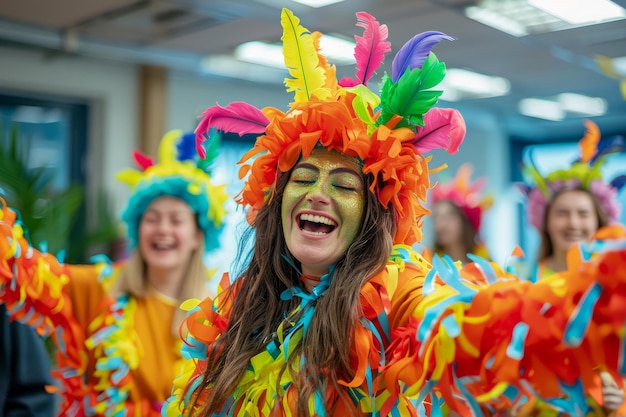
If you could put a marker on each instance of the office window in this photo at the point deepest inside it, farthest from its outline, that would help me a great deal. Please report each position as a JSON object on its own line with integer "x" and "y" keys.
{"x": 51, "y": 137}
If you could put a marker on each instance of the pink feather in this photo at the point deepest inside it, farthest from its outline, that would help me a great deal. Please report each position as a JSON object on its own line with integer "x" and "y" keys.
{"x": 142, "y": 160}
{"x": 443, "y": 129}
{"x": 237, "y": 117}
{"x": 370, "y": 49}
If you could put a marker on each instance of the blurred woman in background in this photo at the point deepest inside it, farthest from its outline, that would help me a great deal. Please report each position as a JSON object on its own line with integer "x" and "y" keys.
{"x": 458, "y": 209}
{"x": 116, "y": 326}
{"x": 567, "y": 207}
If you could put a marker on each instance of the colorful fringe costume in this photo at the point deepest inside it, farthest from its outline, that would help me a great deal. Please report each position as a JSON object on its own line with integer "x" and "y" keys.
{"x": 424, "y": 335}
{"x": 115, "y": 354}
{"x": 483, "y": 337}
{"x": 584, "y": 174}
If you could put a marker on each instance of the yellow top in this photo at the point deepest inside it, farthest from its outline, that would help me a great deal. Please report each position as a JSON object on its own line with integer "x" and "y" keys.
{"x": 152, "y": 380}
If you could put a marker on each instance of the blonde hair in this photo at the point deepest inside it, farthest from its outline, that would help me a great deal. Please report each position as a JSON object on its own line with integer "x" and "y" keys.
{"x": 132, "y": 280}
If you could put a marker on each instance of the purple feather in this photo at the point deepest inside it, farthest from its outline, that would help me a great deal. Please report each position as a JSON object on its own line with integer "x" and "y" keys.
{"x": 414, "y": 52}
{"x": 238, "y": 117}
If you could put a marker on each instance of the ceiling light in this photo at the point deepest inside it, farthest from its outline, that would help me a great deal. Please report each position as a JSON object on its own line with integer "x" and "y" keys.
{"x": 542, "y": 109}
{"x": 495, "y": 20}
{"x": 584, "y": 105}
{"x": 580, "y": 12}
{"x": 464, "y": 84}
{"x": 317, "y": 3}
{"x": 227, "y": 66}
{"x": 523, "y": 17}
{"x": 261, "y": 53}
{"x": 338, "y": 51}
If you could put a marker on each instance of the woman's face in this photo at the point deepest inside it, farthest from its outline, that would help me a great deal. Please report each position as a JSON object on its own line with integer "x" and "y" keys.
{"x": 168, "y": 234}
{"x": 448, "y": 224}
{"x": 571, "y": 219}
{"x": 322, "y": 209}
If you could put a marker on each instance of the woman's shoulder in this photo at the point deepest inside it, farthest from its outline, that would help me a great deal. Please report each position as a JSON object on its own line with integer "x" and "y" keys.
{"x": 99, "y": 275}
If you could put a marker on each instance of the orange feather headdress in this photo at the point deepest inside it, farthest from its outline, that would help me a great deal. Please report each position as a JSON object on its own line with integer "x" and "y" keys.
{"x": 387, "y": 132}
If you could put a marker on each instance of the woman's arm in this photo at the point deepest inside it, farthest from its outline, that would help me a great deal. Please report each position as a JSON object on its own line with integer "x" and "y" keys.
{"x": 33, "y": 289}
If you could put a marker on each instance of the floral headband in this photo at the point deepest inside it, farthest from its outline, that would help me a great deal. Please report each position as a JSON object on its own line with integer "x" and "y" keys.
{"x": 465, "y": 195}
{"x": 386, "y": 131}
{"x": 584, "y": 174}
{"x": 179, "y": 173}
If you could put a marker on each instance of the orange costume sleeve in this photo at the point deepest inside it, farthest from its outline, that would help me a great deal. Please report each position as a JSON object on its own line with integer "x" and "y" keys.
{"x": 33, "y": 288}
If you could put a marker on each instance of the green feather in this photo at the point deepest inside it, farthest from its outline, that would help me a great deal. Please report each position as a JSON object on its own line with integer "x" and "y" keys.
{"x": 212, "y": 147}
{"x": 531, "y": 172}
{"x": 411, "y": 96}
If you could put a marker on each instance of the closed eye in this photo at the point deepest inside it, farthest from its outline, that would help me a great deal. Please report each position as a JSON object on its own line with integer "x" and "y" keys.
{"x": 301, "y": 181}
{"x": 344, "y": 187}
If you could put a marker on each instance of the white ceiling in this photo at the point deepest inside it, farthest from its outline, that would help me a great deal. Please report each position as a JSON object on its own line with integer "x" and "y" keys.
{"x": 179, "y": 33}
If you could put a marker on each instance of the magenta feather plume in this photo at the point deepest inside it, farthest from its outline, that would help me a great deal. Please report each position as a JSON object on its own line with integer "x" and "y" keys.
{"x": 413, "y": 54}
{"x": 237, "y": 117}
{"x": 443, "y": 129}
{"x": 142, "y": 160}
{"x": 370, "y": 49}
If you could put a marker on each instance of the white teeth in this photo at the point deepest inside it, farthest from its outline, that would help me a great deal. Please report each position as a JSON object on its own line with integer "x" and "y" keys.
{"x": 317, "y": 219}
{"x": 573, "y": 236}
{"x": 163, "y": 245}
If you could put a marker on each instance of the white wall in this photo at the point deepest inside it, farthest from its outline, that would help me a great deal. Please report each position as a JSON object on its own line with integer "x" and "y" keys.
{"x": 109, "y": 88}
{"x": 189, "y": 95}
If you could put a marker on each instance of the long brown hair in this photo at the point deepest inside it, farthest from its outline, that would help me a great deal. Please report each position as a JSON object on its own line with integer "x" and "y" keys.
{"x": 258, "y": 309}
{"x": 546, "y": 248}
{"x": 469, "y": 236}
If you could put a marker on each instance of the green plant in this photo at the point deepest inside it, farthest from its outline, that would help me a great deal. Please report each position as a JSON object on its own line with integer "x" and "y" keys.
{"x": 55, "y": 219}
{"x": 48, "y": 214}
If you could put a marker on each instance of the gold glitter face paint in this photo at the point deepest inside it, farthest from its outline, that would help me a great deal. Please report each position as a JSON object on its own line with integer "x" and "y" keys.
{"x": 322, "y": 208}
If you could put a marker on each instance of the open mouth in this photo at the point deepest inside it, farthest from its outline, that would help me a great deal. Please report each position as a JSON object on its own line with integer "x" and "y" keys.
{"x": 163, "y": 246}
{"x": 573, "y": 236}
{"x": 319, "y": 225}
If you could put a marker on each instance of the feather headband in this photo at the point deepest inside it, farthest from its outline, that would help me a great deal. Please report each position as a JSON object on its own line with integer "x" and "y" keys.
{"x": 584, "y": 174}
{"x": 388, "y": 131}
{"x": 178, "y": 173}
{"x": 465, "y": 195}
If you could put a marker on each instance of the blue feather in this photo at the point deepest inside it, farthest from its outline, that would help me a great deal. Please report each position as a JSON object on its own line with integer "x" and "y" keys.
{"x": 612, "y": 144}
{"x": 619, "y": 182}
{"x": 186, "y": 147}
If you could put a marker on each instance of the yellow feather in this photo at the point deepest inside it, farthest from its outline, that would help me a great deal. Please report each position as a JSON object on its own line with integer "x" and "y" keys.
{"x": 167, "y": 149}
{"x": 301, "y": 60}
{"x": 129, "y": 176}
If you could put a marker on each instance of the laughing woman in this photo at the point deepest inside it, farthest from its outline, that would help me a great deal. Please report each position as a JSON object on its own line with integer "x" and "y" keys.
{"x": 333, "y": 314}
{"x": 116, "y": 327}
